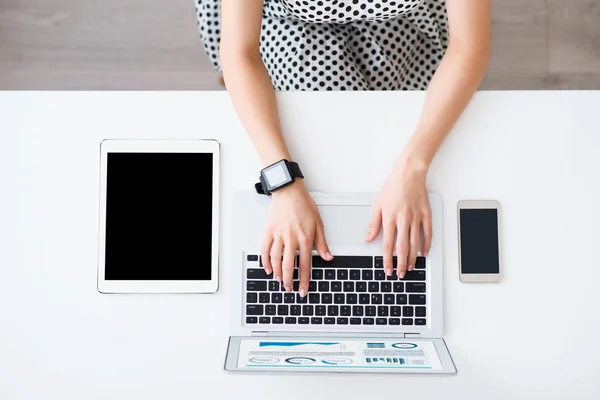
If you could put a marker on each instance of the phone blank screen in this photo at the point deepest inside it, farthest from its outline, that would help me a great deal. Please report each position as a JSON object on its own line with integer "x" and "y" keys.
{"x": 479, "y": 241}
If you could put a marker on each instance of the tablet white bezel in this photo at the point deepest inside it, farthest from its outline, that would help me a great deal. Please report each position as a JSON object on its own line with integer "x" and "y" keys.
{"x": 159, "y": 146}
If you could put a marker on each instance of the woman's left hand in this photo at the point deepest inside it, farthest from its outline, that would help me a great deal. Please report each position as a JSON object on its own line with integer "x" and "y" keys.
{"x": 402, "y": 207}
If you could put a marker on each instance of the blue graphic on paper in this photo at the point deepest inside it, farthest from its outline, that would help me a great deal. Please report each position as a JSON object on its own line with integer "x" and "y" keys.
{"x": 336, "y": 361}
{"x": 375, "y": 345}
{"x": 300, "y": 360}
{"x": 291, "y": 344}
{"x": 264, "y": 360}
{"x": 404, "y": 345}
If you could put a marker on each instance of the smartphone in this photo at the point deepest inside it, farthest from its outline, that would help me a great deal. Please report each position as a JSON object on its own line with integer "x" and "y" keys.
{"x": 479, "y": 257}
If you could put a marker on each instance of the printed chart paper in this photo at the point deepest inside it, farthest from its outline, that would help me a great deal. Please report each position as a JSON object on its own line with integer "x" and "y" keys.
{"x": 344, "y": 354}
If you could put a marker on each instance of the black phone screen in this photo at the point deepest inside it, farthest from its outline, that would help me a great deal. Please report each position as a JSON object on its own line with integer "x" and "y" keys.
{"x": 479, "y": 250}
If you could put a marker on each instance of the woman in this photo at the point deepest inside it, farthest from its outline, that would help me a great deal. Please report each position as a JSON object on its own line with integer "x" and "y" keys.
{"x": 263, "y": 46}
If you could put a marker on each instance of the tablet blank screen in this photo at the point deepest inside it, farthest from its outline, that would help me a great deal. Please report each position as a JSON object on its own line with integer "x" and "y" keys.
{"x": 158, "y": 216}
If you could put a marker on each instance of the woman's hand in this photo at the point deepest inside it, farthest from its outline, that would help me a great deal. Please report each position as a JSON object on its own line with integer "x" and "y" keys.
{"x": 294, "y": 224}
{"x": 402, "y": 207}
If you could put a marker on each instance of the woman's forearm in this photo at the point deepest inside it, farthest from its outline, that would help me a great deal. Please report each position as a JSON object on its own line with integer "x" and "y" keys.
{"x": 452, "y": 87}
{"x": 253, "y": 97}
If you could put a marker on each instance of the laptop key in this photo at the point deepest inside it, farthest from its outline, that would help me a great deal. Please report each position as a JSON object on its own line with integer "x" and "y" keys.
{"x": 355, "y": 321}
{"x": 421, "y": 262}
{"x": 339, "y": 298}
{"x": 394, "y": 321}
{"x": 343, "y": 262}
{"x": 398, "y": 287}
{"x": 388, "y": 298}
{"x": 326, "y": 298}
{"x": 333, "y": 311}
{"x": 252, "y": 257}
{"x": 317, "y": 274}
{"x": 336, "y": 286}
{"x": 355, "y": 274}
{"x": 379, "y": 262}
{"x": 374, "y": 287}
{"x": 368, "y": 321}
{"x": 276, "y": 297}
{"x": 376, "y": 299}
{"x": 345, "y": 311}
{"x": 407, "y": 311}
{"x": 295, "y": 310}
{"x": 270, "y": 309}
{"x": 420, "y": 311}
{"x": 416, "y": 299}
{"x": 379, "y": 275}
{"x": 290, "y": 320}
{"x": 303, "y": 320}
{"x": 367, "y": 275}
{"x": 415, "y": 287}
{"x": 312, "y": 286}
{"x": 329, "y": 321}
{"x": 382, "y": 311}
{"x": 296, "y": 286}
{"x": 342, "y": 274}
{"x": 323, "y": 286}
{"x": 264, "y": 298}
{"x": 381, "y": 321}
{"x": 289, "y": 298}
{"x": 361, "y": 286}
{"x": 363, "y": 298}
{"x": 320, "y": 310}
{"x": 251, "y": 298}
{"x": 282, "y": 309}
{"x": 274, "y": 286}
{"x": 342, "y": 321}
{"x": 264, "y": 320}
{"x": 395, "y": 311}
{"x": 300, "y": 299}
{"x": 308, "y": 310}
{"x": 257, "y": 273}
{"x": 316, "y": 320}
{"x": 349, "y": 286}
{"x": 386, "y": 287}
{"x": 370, "y": 311}
{"x": 256, "y": 286}
{"x": 401, "y": 299}
{"x": 296, "y": 273}
{"x": 314, "y": 298}
{"x": 254, "y": 309}
{"x": 330, "y": 274}
{"x": 420, "y": 321}
{"x": 251, "y": 320}
{"x": 277, "y": 320}
{"x": 351, "y": 298}
{"x": 407, "y": 321}
{"x": 415, "y": 275}
{"x": 357, "y": 311}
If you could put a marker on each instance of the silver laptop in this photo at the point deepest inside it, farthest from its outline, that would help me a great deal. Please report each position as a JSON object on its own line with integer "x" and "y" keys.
{"x": 354, "y": 318}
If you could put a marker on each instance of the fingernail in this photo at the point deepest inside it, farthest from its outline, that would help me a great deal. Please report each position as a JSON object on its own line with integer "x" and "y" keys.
{"x": 410, "y": 267}
{"x": 269, "y": 272}
{"x": 278, "y": 279}
{"x": 302, "y": 293}
{"x": 288, "y": 289}
{"x": 401, "y": 275}
{"x": 388, "y": 272}
{"x": 367, "y": 236}
{"x": 425, "y": 254}
{"x": 328, "y": 255}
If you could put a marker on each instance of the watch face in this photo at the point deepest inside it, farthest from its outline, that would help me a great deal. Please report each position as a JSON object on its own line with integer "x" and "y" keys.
{"x": 276, "y": 175}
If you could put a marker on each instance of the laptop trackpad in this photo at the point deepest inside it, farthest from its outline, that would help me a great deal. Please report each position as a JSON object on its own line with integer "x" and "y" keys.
{"x": 345, "y": 225}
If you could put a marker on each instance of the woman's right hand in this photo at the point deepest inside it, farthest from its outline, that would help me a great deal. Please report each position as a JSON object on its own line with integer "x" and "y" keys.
{"x": 294, "y": 224}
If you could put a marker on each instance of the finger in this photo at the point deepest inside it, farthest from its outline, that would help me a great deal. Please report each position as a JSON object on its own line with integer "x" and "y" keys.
{"x": 389, "y": 231}
{"x": 289, "y": 256}
{"x": 402, "y": 246}
{"x": 265, "y": 253}
{"x": 304, "y": 267}
{"x": 276, "y": 252}
{"x": 427, "y": 232}
{"x": 375, "y": 224}
{"x": 415, "y": 239}
{"x": 321, "y": 244}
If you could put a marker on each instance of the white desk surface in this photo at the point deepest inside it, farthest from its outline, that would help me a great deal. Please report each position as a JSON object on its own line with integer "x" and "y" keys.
{"x": 533, "y": 336}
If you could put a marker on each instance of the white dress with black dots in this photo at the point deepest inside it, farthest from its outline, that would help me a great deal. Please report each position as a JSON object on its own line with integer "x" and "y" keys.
{"x": 343, "y": 44}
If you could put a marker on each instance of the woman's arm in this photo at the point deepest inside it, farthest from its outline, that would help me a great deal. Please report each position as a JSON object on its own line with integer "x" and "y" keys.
{"x": 294, "y": 220}
{"x": 403, "y": 204}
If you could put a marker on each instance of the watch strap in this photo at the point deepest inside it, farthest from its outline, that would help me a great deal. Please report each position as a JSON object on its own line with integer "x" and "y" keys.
{"x": 296, "y": 173}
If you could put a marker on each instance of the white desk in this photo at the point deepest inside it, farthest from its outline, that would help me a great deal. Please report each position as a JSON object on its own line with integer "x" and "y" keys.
{"x": 533, "y": 336}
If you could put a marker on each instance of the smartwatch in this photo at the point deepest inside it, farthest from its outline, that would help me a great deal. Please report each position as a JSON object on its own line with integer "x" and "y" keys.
{"x": 277, "y": 176}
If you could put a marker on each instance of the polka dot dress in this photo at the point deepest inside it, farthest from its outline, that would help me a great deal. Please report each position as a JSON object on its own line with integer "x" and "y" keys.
{"x": 343, "y": 44}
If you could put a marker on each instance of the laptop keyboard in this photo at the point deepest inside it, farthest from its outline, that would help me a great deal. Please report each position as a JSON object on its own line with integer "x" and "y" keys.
{"x": 349, "y": 290}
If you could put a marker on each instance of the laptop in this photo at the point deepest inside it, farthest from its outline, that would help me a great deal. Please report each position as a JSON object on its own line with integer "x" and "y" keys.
{"x": 354, "y": 318}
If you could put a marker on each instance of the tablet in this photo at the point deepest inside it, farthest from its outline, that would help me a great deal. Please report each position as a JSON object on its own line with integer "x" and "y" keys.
{"x": 159, "y": 216}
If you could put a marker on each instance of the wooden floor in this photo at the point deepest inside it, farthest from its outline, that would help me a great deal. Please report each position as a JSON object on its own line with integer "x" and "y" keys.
{"x": 154, "y": 45}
